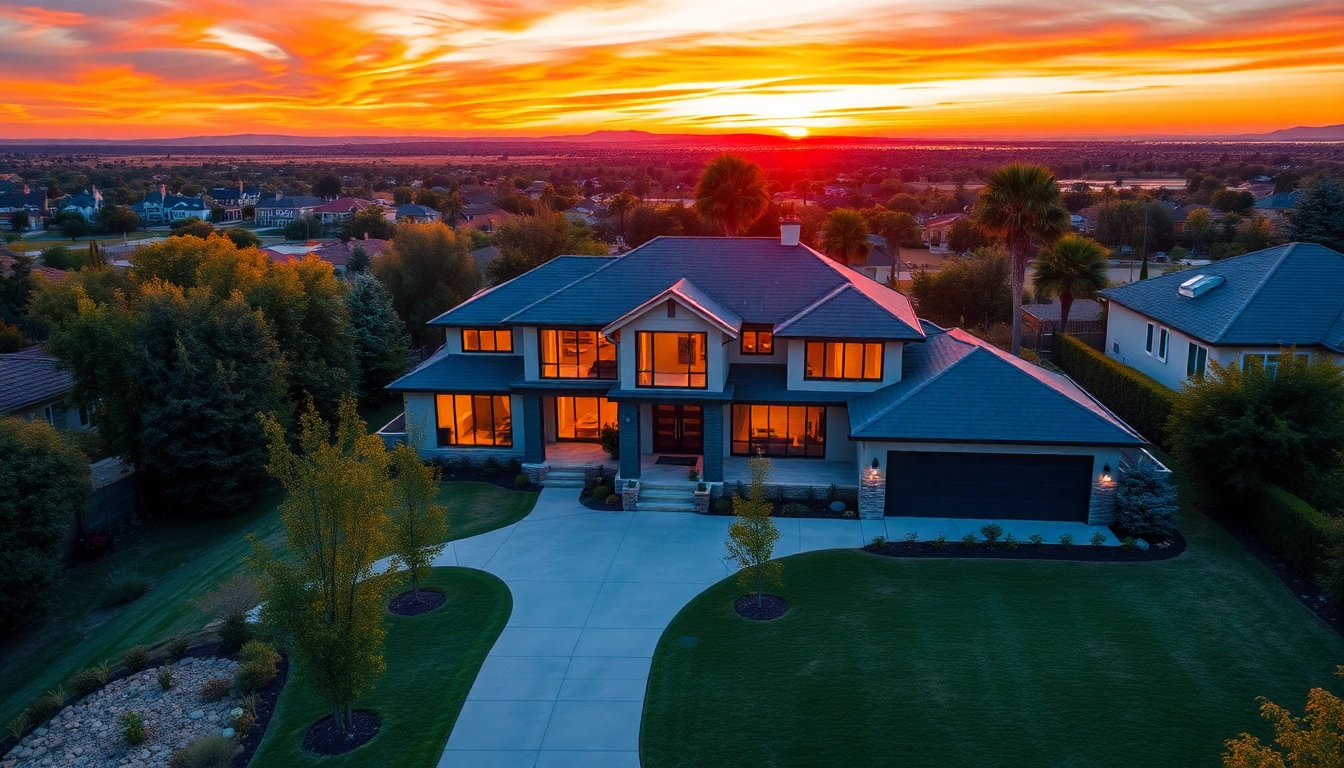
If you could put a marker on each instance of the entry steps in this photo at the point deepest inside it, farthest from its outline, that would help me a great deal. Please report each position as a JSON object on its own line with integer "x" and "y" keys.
{"x": 667, "y": 497}
{"x": 562, "y": 476}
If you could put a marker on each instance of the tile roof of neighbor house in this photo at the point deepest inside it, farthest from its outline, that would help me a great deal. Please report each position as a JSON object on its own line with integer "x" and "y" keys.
{"x": 1290, "y": 294}
{"x": 756, "y": 279}
{"x": 344, "y": 205}
{"x": 337, "y": 254}
{"x": 942, "y": 220}
{"x": 879, "y": 254}
{"x": 30, "y": 377}
{"x": 485, "y": 374}
{"x": 481, "y": 209}
{"x": 1088, "y": 310}
{"x": 956, "y": 387}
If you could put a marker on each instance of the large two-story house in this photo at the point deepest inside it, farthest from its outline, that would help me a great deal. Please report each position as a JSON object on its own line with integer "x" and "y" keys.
{"x": 1239, "y": 311}
{"x": 705, "y": 351}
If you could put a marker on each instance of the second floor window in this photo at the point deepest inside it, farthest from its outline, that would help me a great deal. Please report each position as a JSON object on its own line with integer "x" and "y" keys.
{"x": 576, "y": 355}
{"x": 486, "y": 340}
{"x": 758, "y": 342}
{"x": 844, "y": 361}
{"x": 669, "y": 359}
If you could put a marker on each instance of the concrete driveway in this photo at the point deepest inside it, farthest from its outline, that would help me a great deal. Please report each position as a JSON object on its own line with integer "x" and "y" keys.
{"x": 592, "y": 593}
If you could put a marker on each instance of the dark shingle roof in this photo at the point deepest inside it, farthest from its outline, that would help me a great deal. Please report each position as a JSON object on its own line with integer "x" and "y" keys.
{"x": 1290, "y": 294}
{"x": 756, "y": 279}
{"x": 28, "y": 378}
{"x": 411, "y": 209}
{"x": 492, "y": 305}
{"x": 755, "y": 383}
{"x": 854, "y": 313}
{"x": 1088, "y": 310}
{"x": 955, "y": 387}
{"x": 296, "y": 201}
{"x": 1280, "y": 201}
{"x": 462, "y": 373}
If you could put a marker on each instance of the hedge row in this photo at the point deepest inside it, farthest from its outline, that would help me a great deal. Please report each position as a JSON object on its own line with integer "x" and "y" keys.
{"x": 1293, "y": 530}
{"x": 1138, "y": 399}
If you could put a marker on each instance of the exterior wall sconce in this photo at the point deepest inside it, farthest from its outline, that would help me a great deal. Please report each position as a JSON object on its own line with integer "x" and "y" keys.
{"x": 873, "y": 472}
{"x": 1106, "y": 478}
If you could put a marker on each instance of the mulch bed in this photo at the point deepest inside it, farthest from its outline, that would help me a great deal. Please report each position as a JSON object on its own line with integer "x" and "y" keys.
{"x": 771, "y": 607}
{"x": 1305, "y": 590}
{"x": 266, "y": 699}
{"x": 500, "y": 478}
{"x": 408, "y": 604}
{"x": 588, "y": 500}
{"x": 326, "y": 738}
{"x": 1081, "y": 551}
{"x": 819, "y": 508}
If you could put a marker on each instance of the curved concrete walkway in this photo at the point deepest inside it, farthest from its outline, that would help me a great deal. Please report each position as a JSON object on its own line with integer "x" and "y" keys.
{"x": 592, "y": 593}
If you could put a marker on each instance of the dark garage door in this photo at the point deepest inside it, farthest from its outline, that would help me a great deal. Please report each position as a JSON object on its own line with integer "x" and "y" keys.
{"x": 1009, "y": 486}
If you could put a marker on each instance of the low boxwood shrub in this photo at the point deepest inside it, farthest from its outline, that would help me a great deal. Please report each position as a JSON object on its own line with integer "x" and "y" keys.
{"x": 795, "y": 509}
{"x": 216, "y": 689}
{"x": 207, "y": 752}
{"x": 124, "y": 587}
{"x": 1138, "y": 399}
{"x": 601, "y": 491}
{"x": 46, "y": 706}
{"x": 1293, "y": 530}
{"x": 1066, "y": 540}
{"x": 253, "y": 676}
{"x": 991, "y": 532}
{"x": 723, "y": 506}
{"x": 613, "y": 499}
{"x": 176, "y": 648}
{"x": 87, "y": 681}
{"x": 1098, "y": 539}
{"x": 522, "y": 481}
{"x": 135, "y": 658}
{"x": 234, "y": 632}
{"x": 513, "y": 467}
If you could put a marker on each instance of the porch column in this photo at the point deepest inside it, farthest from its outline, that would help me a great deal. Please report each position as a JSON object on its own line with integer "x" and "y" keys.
{"x": 534, "y": 437}
{"x": 713, "y": 447}
{"x": 628, "y": 416}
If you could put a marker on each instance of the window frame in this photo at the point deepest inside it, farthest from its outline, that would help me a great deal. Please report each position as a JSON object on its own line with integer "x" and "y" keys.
{"x": 653, "y": 370}
{"x": 752, "y": 444}
{"x": 600, "y": 342}
{"x": 573, "y": 404}
{"x": 495, "y": 333}
{"x": 1196, "y": 360}
{"x": 881, "y": 350}
{"x": 455, "y": 440}
{"x": 756, "y": 333}
{"x": 1269, "y": 361}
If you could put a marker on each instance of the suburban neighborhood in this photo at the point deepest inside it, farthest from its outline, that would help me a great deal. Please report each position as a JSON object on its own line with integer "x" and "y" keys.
{"x": 671, "y": 387}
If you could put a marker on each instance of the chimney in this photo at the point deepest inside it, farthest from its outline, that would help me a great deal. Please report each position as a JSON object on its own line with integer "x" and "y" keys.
{"x": 789, "y": 231}
{"x": 240, "y": 188}
{"x": 163, "y": 191}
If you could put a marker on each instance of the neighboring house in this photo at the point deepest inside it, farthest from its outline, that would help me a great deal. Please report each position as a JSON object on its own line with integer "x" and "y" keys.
{"x": 1277, "y": 207}
{"x": 31, "y": 201}
{"x": 588, "y": 211}
{"x": 333, "y": 213}
{"x": 937, "y": 228}
{"x": 33, "y": 388}
{"x": 235, "y": 197}
{"x": 1237, "y": 311}
{"x": 337, "y": 254}
{"x": 420, "y": 214}
{"x": 705, "y": 351}
{"x": 483, "y": 216}
{"x": 86, "y": 203}
{"x": 484, "y": 256}
{"x": 1040, "y": 322}
{"x": 279, "y": 211}
{"x": 878, "y": 264}
{"x": 159, "y": 207}
{"x": 7, "y": 260}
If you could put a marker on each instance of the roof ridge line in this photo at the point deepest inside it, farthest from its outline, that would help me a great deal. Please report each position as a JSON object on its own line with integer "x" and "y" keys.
{"x": 509, "y": 317}
{"x": 1260, "y": 286}
{"x": 805, "y": 311}
{"x": 917, "y": 388}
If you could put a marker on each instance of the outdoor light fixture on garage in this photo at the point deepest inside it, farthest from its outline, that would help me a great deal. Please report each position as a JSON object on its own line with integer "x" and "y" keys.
{"x": 1106, "y": 474}
{"x": 873, "y": 472}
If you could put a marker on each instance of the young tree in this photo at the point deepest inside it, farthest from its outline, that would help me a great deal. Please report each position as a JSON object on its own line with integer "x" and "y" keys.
{"x": 72, "y": 225}
{"x": 46, "y": 485}
{"x": 118, "y": 219}
{"x": 752, "y": 535}
{"x": 419, "y": 525}
{"x": 304, "y": 228}
{"x": 381, "y": 344}
{"x": 369, "y": 222}
{"x": 1020, "y": 203}
{"x": 428, "y": 269}
{"x": 324, "y": 595}
{"x": 1315, "y": 740}
{"x": 844, "y": 237}
{"x": 359, "y": 261}
{"x": 965, "y": 236}
{"x": 242, "y": 238}
{"x": 1318, "y": 215}
{"x": 527, "y": 242}
{"x": 732, "y": 191}
{"x": 1145, "y": 503}
{"x": 1072, "y": 268}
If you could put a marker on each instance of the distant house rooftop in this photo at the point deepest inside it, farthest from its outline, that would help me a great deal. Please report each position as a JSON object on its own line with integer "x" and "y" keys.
{"x": 29, "y": 377}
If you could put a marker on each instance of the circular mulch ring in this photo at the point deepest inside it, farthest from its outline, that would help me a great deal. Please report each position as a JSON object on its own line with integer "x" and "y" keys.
{"x": 771, "y": 607}
{"x": 407, "y": 604}
{"x": 326, "y": 738}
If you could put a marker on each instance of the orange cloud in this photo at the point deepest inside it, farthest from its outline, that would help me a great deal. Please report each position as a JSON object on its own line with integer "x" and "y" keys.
{"x": 489, "y": 67}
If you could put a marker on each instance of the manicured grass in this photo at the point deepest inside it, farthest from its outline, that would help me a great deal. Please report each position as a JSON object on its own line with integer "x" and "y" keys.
{"x": 474, "y": 508}
{"x": 432, "y": 660}
{"x": 885, "y": 662}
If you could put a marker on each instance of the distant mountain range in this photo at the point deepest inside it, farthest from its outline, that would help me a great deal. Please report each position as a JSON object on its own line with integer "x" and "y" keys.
{"x": 1300, "y": 133}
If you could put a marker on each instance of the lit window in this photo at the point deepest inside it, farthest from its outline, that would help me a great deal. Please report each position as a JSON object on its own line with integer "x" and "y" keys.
{"x": 669, "y": 359}
{"x": 582, "y": 418}
{"x": 576, "y": 355}
{"x": 843, "y": 361}
{"x": 779, "y": 430}
{"x": 758, "y": 342}
{"x": 468, "y": 420}
{"x": 486, "y": 340}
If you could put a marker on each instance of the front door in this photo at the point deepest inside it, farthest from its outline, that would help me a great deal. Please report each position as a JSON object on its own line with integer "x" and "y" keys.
{"x": 678, "y": 429}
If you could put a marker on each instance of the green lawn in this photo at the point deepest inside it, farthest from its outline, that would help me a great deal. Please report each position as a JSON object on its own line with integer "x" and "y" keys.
{"x": 890, "y": 662}
{"x": 185, "y": 560}
{"x": 432, "y": 661}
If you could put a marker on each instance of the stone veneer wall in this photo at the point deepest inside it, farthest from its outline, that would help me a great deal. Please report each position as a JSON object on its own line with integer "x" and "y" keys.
{"x": 1101, "y": 510}
{"x": 872, "y": 496}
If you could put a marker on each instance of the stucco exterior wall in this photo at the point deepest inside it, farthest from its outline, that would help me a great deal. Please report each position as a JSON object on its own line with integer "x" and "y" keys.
{"x": 419, "y": 409}
{"x": 891, "y": 370}
{"x": 655, "y": 319}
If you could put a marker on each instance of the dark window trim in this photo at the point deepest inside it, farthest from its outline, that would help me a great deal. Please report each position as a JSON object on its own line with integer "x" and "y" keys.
{"x": 758, "y": 330}
{"x": 598, "y": 341}
{"x": 751, "y": 444}
{"x": 555, "y": 419}
{"x": 494, "y": 438}
{"x": 881, "y": 361}
{"x": 507, "y": 333}
{"x": 653, "y": 371}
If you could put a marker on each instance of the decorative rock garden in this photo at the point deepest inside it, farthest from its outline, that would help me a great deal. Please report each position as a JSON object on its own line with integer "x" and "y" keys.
{"x": 90, "y": 731}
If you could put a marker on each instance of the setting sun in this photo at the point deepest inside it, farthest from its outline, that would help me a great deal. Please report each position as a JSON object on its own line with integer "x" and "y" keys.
{"x": 794, "y": 131}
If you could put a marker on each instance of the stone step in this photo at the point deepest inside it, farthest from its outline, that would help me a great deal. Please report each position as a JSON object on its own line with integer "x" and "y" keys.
{"x": 562, "y": 483}
{"x": 664, "y": 505}
{"x": 665, "y": 493}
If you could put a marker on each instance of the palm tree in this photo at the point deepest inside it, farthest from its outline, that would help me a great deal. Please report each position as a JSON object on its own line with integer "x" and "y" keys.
{"x": 895, "y": 227}
{"x": 844, "y": 236}
{"x": 1074, "y": 267}
{"x": 453, "y": 207}
{"x": 732, "y": 191}
{"x": 803, "y": 186}
{"x": 1020, "y": 203}
{"x": 620, "y": 205}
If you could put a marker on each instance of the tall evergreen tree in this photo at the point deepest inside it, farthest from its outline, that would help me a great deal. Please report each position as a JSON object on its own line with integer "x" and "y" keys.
{"x": 1318, "y": 216}
{"x": 381, "y": 343}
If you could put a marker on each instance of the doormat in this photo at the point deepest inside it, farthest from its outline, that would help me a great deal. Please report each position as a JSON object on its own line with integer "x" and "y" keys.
{"x": 677, "y": 461}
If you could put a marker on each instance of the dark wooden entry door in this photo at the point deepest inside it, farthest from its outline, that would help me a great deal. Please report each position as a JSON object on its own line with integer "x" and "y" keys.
{"x": 678, "y": 429}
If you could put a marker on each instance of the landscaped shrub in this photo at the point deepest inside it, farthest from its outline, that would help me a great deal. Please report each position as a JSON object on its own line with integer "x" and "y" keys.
{"x": 259, "y": 651}
{"x": 795, "y": 510}
{"x": 601, "y": 491}
{"x": 522, "y": 481}
{"x": 940, "y": 541}
{"x": 1332, "y": 572}
{"x": 133, "y": 727}
{"x": 165, "y": 678}
{"x": 124, "y": 587}
{"x": 1294, "y": 531}
{"x": 722, "y": 505}
{"x": 513, "y": 467}
{"x": 1036, "y": 539}
{"x": 491, "y": 467}
{"x": 87, "y": 681}
{"x": 208, "y": 752}
{"x": 1139, "y": 400}
{"x": 991, "y": 533}
{"x": 1129, "y": 544}
{"x": 234, "y": 633}
{"x": 44, "y": 707}
{"x": 230, "y": 603}
{"x": 18, "y": 725}
{"x": 216, "y": 689}
{"x": 1010, "y": 542}
{"x": 1066, "y": 540}
{"x": 176, "y": 648}
{"x": 253, "y": 676}
{"x": 1098, "y": 539}
{"x": 613, "y": 499}
{"x": 968, "y": 541}
{"x": 1145, "y": 503}
{"x": 911, "y": 539}
{"x": 610, "y": 440}
{"x": 242, "y": 723}
{"x": 135, "y": 658}
{"x": 879, "y": 541}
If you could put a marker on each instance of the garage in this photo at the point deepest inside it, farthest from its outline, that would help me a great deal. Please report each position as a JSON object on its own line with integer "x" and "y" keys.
{"x": 1004, "y": 486}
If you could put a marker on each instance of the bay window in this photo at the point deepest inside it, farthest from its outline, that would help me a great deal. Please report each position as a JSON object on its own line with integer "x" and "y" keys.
{"x": 671, "y": 359}
{"x": 843, "y": 361}
{"x": 779, "y": 430}
{"x": 576, "y": 355}
{"x": 474, "y": 420}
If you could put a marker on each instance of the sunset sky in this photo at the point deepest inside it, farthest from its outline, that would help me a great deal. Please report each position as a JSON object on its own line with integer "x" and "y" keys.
{"x": 954, "y": 68}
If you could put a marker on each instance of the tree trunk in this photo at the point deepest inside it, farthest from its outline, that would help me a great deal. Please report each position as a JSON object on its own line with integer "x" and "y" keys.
{"x": 1065, "y": 304}
{"x": 415, "y": 586}
{"x": 336, "y": 716}
{"x": 349, "y": 721}
{"x": 760, "y": 587}
{"x": 1019, "y": 248}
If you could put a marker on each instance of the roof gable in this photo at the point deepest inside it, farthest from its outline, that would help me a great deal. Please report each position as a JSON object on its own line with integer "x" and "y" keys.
{"x": 687, "y": 295}
{"x": 492, "y": 305}
{"x": 849, "y": 312}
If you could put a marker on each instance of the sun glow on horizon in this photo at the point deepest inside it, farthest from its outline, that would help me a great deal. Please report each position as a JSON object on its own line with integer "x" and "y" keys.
{"x": 970, "y": 68}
